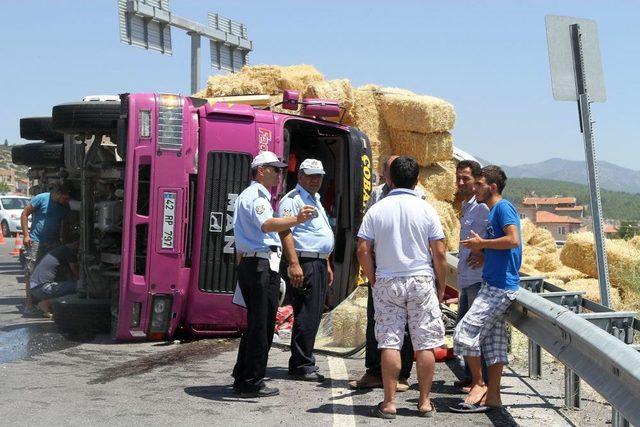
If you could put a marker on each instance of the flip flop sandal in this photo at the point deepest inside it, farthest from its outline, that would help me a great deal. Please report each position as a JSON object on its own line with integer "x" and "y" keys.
{"x": 377, "y": 412}
{"x": 427, "y": 414}
{"x": 470, "y": 408}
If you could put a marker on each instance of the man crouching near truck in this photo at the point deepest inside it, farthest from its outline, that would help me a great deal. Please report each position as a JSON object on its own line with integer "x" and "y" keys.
{"x": 49, "y": 212}
{"x": 482, "y": 331}
{"x": 258, "y": 243}
{"x": 406, "y": 235}
{"x": 54, "y": 276}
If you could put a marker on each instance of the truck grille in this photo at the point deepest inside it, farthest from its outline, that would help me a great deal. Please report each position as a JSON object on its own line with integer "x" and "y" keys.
{"x": 227, "y": 175}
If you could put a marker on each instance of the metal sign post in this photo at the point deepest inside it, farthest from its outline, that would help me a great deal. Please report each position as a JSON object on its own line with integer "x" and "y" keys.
{"x": 147, "y": 24}
{"x": 576, "y": 75}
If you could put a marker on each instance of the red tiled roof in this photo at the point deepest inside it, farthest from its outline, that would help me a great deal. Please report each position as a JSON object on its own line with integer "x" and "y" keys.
{"x": 573, "y": 208}
{"x": 608, "y": 228}
{"x": 548, "y": 200}
{"x": 548, "y": 217}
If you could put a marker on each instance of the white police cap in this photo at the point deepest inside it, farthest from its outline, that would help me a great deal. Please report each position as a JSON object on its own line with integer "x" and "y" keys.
{"x": 312, "y": 167}
{"x": 267, "y": 158}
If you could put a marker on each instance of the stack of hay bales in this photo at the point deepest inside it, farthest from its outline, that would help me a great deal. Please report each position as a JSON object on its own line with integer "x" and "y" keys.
{"x": 397, "y": 121}
{"x": 592, "y": 288}
{"x": 623, "y": 258}
{"x": 349, "y": 322}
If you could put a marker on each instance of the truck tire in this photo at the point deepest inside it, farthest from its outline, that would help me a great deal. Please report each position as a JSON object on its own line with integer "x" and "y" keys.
{"x": 38, "y": 154}
{"x": 86, "y": 117}
{"x": 75, "y": 315}
{"x": 39, "y": 128}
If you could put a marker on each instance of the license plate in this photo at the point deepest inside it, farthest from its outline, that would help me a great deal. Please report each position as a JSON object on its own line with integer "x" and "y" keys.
{"x": 169, "y": 220}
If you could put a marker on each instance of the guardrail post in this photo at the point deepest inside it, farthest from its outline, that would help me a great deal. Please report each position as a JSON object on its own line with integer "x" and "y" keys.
{"x": 534, "y": 284}
{"x": 535, "y": 360}
{"x": 572, "y": 398}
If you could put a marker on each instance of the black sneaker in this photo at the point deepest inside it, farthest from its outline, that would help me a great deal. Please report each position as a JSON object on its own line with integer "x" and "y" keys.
{"x": 263, "y": 392}
{"x": 309, "y": 376}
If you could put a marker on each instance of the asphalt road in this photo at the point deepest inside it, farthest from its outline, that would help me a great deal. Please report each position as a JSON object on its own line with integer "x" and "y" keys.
{"x": 49, "y": 379}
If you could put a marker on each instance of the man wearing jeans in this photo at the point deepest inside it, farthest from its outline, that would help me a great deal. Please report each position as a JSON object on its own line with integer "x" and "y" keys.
{"x": 54, "y": 276}
{"x": 474, "y": 217}
{"x": 481, "y": 332}
{"x": 408, "y": 278}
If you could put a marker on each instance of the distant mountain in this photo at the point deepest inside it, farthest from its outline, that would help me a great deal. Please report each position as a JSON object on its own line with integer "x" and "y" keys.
{"x": 611, "y": 177}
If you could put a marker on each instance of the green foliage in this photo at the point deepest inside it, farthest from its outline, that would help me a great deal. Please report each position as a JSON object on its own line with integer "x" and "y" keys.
{"x": 4, "y": 187}
{"x": 627, "y": 230}
{"x": 615, "y": 204}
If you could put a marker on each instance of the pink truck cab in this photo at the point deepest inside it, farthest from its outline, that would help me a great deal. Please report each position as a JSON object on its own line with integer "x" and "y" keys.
{"x": 156, "y": 177}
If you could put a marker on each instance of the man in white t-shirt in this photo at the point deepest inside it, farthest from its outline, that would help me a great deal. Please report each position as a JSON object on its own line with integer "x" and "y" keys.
{"x": 408, "y": 276}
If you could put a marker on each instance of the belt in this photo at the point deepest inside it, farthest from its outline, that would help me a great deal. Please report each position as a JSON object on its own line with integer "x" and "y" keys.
{"x": 263, "y": 255}
{"x": 315, "y": 255}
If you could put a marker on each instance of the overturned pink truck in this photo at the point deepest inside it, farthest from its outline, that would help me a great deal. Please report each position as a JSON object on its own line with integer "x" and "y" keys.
{"x": 155, "y": 179}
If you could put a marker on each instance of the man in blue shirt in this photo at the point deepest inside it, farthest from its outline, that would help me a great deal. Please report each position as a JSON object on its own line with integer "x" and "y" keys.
{"x": 481, "y": 332}
{"x": 307, "y": 248}
{"x": 258, "y": 246}
{"x": 48, "y": 212}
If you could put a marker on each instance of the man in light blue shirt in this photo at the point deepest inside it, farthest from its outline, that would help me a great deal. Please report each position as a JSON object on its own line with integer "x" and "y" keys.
{"x": 258, "y": 246}
{"x": 474, "y": 218}
{"x": 307, "y": 248}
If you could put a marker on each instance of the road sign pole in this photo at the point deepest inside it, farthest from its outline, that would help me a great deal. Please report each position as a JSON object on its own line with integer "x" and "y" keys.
{"x": 584, "y": 108}
{"x": 195, "y": 61}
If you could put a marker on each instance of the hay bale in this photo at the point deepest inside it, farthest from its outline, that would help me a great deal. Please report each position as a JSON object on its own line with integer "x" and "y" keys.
{"x": 417, "y": 113}
{"x": 548, "y": 262}
{"x": 542, "y": 239}
{"x": 623, "y": 258}
{"x": 592, "y": 287}
{"x": 449, "y": 220}
{"x": 530, "y": 257}
{"x": 440, "y": 180}
{"x": 528, "y": 229}
{"x": 349, "y": 323}
{"x": 427, "y": 148}
{"x": 340, "y": 90}
{"x": 367, "y": 118}
{"x": 635, "y": 241}
{"x": 564, "y": 273}
{"x": 275, "y": 78}
{"x": 554, "y": 281}
{"x": 232, "y": 85}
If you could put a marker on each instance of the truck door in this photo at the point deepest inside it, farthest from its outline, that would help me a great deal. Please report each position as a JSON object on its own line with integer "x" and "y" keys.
{"x": 357, "y": 180}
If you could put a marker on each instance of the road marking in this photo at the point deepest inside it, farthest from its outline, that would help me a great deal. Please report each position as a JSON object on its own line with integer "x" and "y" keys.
{"x": 342, "y": 414}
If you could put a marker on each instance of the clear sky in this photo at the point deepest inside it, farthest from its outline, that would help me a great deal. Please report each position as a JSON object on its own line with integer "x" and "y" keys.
{"x": 488, "y": 58}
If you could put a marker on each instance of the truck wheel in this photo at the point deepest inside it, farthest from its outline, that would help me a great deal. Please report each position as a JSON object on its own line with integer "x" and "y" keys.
{"x": 86, "y": 117}
{"x": 38, "y": 154}
{"x": 6, "y": 232}
{"x": 39, "y": 128}
{"x": 73, "y": 314}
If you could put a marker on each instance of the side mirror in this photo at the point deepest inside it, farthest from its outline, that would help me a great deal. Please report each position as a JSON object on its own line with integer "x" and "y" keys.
{"x": 290, "y": 100}
{"x": 320, "y": 107}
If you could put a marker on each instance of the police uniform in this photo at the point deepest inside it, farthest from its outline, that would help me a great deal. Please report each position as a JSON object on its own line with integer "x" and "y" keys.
{"x": 259, "y": 282}
{"x": 313, "y": 242}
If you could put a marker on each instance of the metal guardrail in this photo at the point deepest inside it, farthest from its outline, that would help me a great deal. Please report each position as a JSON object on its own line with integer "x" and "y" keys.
{"x": 594, "y": 346}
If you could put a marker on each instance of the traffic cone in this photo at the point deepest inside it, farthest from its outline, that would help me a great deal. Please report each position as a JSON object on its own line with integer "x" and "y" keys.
{"x": 2, "y": 241}
{"x": 17, "y": 245}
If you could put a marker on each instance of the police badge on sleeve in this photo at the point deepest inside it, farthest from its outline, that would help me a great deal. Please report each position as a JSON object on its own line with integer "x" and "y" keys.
{"x": 287, "y": 212}
{"x": 260, "y": 209}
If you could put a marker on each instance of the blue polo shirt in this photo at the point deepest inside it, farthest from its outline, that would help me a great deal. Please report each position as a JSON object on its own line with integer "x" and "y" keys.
{"x": 314, "y": 235}
{"x": 501, "y": 266}
{"x": 253, "y": 208}
{"x": 46, "y": 217}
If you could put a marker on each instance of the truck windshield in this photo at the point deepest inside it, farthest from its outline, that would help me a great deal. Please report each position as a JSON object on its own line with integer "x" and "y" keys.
{"x": 13, "y": 202}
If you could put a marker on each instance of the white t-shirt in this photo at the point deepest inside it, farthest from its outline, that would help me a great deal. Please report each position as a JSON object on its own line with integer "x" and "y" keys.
{"x": 401, "y": 226}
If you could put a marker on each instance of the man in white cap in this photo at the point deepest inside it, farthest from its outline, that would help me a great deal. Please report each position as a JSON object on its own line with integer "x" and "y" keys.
{"x": 258, "y": 245}
{"x": 307, "y": 248}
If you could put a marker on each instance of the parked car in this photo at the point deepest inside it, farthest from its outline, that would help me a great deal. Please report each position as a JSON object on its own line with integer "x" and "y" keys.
{"x": 11, "y": 207}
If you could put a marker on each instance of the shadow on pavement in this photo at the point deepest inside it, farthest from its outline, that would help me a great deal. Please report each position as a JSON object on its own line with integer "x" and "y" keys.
{"x": 219, "y": 393}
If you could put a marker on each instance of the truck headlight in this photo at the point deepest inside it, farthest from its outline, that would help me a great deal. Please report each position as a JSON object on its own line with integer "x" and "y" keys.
{"x": 160, "y": 316}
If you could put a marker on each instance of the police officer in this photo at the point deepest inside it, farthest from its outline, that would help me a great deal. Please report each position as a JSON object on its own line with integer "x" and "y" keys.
{"x": 258, "y": 245}
{"x": 307, "y": 248}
